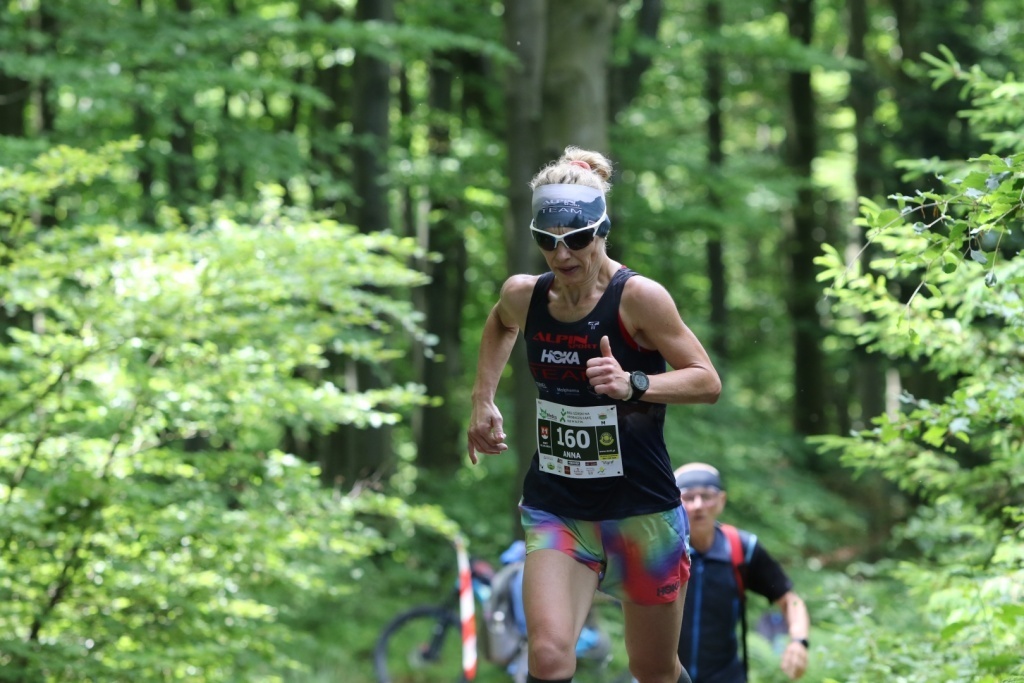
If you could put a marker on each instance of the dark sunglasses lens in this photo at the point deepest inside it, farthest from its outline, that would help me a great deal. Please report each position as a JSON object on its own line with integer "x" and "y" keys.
{"x": 579, "y": 240}
{"x": 544, "y": 241}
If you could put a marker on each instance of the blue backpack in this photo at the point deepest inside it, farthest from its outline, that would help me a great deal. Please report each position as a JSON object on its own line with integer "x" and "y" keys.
{"x": 504, "y": 632}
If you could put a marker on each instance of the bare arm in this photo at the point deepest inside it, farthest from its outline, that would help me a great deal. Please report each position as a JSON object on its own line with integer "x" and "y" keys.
{"x": 485, "y": 433}
{"x": 651, "y": 317}
{"x": 794, "y": 657}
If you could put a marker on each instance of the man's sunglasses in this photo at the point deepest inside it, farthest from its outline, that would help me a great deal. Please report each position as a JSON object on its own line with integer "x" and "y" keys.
{"x": 707, "y": 495}
{"x": 577, "y": 239}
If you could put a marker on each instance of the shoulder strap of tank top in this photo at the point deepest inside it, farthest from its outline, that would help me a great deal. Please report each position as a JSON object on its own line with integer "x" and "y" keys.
{"x": 538, "y": 301}
{"x": 620, "y": 277}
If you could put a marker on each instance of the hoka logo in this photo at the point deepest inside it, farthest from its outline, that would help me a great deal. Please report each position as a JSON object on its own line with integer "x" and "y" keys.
{"x": 668, "y": 589}
{"x": 560, "y": 357}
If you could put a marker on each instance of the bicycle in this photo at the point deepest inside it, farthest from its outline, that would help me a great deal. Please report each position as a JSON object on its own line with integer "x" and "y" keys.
{"x": 424, "y": 644}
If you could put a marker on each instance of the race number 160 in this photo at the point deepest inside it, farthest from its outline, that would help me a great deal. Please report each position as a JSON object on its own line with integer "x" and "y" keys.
{"x": 573, "y": 438}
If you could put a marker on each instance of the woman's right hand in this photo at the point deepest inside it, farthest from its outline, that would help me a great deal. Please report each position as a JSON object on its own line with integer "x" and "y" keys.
{"x": 485, "y": 434}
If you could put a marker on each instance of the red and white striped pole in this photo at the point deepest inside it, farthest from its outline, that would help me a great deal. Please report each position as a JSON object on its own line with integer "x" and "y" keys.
{"x": 467, "y": 608}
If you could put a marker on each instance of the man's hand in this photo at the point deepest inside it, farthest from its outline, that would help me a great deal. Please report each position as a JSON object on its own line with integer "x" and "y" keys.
{"x": 794, "y": 660}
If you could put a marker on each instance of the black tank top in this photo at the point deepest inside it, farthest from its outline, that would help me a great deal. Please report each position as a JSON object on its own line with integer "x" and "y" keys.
{"x": 558, "y": 352}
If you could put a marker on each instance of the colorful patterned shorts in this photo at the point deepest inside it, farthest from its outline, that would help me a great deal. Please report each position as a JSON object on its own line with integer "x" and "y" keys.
{"x": 641, "y": 559}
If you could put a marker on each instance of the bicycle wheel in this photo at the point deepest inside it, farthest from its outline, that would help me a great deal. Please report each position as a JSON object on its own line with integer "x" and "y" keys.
{"x": 422, "y": 645}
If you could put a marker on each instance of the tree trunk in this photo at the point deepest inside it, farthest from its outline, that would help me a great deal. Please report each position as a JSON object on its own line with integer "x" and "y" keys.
{"x": 181, "y": 174}
{"x": 931, "y": 125}
{"x": 351, "y": 454}
{"x": 809, "y": 394}
{"x": 438, "y": 439}
{"x": 716, "y": 135}
{"x": 335, "y": 82}
{"x": 45, "y": 100}
{"x": 181, "y": 167}
{"x": 626, "y": 79}
{"x": 14, "y": 97}
{"x": 576, "y": 75}
{"x": 868, "y": 381}
{"x": 869, "y": 375}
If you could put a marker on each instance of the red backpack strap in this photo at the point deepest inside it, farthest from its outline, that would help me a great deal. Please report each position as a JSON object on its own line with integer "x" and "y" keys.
{"x": 737, "y": 555}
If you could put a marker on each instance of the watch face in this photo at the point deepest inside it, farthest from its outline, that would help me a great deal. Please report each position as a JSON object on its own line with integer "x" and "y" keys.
{"x": 640, "y": 381}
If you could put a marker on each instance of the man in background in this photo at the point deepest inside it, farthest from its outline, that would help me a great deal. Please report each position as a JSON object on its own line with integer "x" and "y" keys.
{"x": 725, "y": 562}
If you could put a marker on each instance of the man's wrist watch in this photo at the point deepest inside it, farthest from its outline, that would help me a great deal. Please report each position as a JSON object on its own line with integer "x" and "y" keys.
{"x": 803, "y": 641}
{"x": 639, "y": 383}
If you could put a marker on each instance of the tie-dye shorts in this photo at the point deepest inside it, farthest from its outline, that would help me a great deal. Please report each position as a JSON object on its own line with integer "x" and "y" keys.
{"x": 642, "y": 559}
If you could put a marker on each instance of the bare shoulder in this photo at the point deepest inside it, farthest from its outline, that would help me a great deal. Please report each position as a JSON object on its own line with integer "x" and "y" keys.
{"x": 515, "y": 298}
{"x": 642, "y": 295}
{"x": 649, "y": 314}
{"x": 518, "y": 289}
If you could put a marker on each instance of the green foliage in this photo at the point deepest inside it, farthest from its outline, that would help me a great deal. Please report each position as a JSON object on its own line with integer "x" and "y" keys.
{"x": 769, "y": 490}
{"x": 152, "y": 530}
{"x": 150, "y": 361}
{"x": 224, "y": 95}
{"x": 945, "y": 289}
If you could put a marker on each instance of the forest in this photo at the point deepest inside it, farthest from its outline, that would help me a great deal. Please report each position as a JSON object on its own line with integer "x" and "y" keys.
{"x": 247, "y": 248}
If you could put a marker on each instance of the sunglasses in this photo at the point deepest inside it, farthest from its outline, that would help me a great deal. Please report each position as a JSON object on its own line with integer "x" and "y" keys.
{"x": 577, "y": 239}
{"x": 707, "y": 495}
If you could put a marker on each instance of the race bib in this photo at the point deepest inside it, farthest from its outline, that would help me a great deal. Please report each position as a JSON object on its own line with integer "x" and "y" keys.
{"x": 581, "y": 442}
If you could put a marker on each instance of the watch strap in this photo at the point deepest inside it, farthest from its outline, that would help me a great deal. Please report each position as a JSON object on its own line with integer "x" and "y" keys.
{"x": 636, "y": 393}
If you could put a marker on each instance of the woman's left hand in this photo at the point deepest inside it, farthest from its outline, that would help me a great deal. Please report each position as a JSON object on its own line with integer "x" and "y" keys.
{"x": 606, "y": 375}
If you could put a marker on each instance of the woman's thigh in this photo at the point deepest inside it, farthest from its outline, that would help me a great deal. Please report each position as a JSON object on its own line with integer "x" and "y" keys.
{"x": 557, "y": 593}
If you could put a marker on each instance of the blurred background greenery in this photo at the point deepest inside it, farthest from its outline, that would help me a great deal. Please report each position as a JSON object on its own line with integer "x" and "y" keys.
{"x": 247, "y": 246}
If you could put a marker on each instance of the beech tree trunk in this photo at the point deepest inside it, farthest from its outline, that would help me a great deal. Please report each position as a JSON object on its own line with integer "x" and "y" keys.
{"x": 809, "y": 395}
{"x": 351, "y": 454}
{"x": 576, "y": 75}
{"x": 713, "y": 90}
{"x": 869, "y": 376}
{"x": 439, "y": 440}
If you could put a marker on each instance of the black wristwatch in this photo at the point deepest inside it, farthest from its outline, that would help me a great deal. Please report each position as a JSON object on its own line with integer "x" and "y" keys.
{"x": 803, "y": 641}
{"x": 639, "y": 383}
